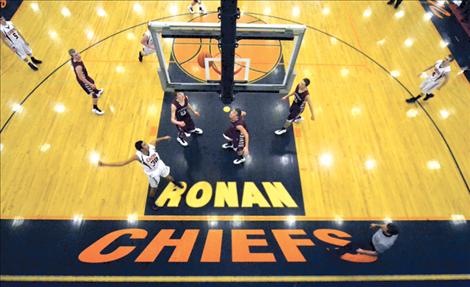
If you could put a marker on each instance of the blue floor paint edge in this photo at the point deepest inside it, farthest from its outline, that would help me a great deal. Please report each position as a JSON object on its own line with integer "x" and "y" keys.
{"x": 453, "y": 33}
{"x": 10, "y": 8}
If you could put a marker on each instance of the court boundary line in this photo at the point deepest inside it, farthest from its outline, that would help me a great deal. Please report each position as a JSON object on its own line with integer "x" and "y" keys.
{"x": 174, "y": 279}
{"x": 209, "y": 218}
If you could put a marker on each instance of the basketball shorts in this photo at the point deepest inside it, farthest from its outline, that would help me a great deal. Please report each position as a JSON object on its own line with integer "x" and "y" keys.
{"x": 87, "y": 88}
{"x": 162, "y": 171}
{"x": 294, "y": 111}
{"x": 189, "y": 124}
{"x": 238, "y": 142}
{"x": 429, "y": 85}
{"x": 147, "y": 51}
{"x": 22, "y": 50}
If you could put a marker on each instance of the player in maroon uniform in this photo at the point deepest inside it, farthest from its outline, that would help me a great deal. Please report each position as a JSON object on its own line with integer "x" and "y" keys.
{"x": 202, "y": 9}
{"x": 237, "y": 135}
{"x": 298, "y": 105}
{"x": 85, "y": 81}
{"x": 182, "y": 119}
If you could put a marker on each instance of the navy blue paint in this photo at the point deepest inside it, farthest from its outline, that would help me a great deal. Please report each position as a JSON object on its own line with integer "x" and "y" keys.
{"x": 457, "y": 283}
{"x": 10, "y": 8}
{"x": 43, "y": 247}
{"x": 452, "y": 31}
{"x": 204, "y": 159}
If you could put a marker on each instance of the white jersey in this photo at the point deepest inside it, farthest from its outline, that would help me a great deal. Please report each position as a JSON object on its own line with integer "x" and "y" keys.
{"x": 152, "y": 162}
{"x": 439, "y": 72}
{"x": 383, "y": 242}
{"x": 150, "y": 39}
{"x": 10, "y": 33}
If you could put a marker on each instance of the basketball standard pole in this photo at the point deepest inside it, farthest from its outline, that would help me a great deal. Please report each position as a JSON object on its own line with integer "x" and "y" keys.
{"x": 228, "y": 15}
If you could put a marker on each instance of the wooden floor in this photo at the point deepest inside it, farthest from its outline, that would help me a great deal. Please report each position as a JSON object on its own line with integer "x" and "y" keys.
{"x": 360, "y": 111}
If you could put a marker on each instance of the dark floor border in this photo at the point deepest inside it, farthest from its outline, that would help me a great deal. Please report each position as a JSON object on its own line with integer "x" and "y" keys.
{"x": 9, "y": 8}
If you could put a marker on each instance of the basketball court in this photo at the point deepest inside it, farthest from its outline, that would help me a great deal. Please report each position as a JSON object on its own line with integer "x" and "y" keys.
{"x": 367, "y": 157}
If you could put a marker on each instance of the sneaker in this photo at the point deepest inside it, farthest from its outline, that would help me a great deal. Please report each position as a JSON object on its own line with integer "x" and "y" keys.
{"x": 197, "y": 131}
{"x": 36, "y": 61}
{"x": 187, "y": 134}
{"x": 298, "y": 119}
{"x": 140, "y": 57}
{"x": 97, "y": 111}
{"x": 202, "y": 11}
{"x": 100, "y": 92}
{"x": 191, "y": 10}
{"x": 412, "y": 99}
{"x": 280, "y": 131}
{"x": 239, "y": 160}
{"x": 227, "y": 146}
{"x": 428, "y": 96}
{"x": 32, "y": 66}
{"x": 182, "y": 141}
{"x": 390, "y": 2}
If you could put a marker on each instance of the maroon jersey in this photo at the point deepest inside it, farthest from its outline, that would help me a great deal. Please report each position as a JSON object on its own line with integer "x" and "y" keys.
{"x": 234, "y": 133}
{"x": 181, "y": 110}
{"x": 300, "y": 98}
{"x": 85, "y": 72}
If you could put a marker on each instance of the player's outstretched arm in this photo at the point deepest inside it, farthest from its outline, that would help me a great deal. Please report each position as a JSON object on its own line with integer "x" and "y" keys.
{"x": 428, "y": 68}
{"x": 165, "y": 138}
{"x": 120, "y": 163}
{"x": 366, "y": 252}
{"x": 288, "y": 96}
{"x": 196, "y": 113}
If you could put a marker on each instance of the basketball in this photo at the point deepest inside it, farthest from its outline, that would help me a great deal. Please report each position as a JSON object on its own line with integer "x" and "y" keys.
{"x": 202, "y": 56}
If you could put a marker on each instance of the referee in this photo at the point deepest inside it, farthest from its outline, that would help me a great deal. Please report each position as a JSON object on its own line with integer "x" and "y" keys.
{"x": 382, "y": 240}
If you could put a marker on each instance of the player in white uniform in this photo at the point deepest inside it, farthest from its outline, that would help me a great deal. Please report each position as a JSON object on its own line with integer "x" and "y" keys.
{"x": 438, "y": 78}
{"x": 202, "y": 9}
{"x": 148, "y": 46}
{"x": 16, "y": 42}
{"x": 153, "y": 166}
